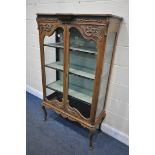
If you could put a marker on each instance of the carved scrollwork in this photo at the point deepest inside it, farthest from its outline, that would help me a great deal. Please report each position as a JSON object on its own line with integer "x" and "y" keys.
{"x": 68, "y": 112}
{"x": 90, "y": 20}
{"x": 72, "y": 119}
{"x": 86, "y": 20}
{"x": 75, "y": 112}
{"x": 46, "y": 28}
{"x": 92, "y": 32}
{"x": 60, "y": 110}
{"x": 56, "y": 103}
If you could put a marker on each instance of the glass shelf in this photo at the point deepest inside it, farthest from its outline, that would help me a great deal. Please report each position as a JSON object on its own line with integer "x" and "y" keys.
{"x": 74, "y": 69}
{"x": 56, "y": 45}
{"x": 73, "y": 91}
{"x": 56, "y": 86}
{"x": 74, "y": 47}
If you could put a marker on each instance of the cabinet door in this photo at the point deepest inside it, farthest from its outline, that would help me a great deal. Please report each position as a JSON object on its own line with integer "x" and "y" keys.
{"x": 54, "y": 62}
{"x": 81, "y": 72}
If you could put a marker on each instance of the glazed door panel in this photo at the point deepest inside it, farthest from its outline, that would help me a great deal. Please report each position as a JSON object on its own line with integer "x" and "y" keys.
{"x": 81, "y": 72}
{"x": 54, "y": 65}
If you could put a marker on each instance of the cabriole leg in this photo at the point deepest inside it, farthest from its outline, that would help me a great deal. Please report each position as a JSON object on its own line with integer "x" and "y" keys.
{"x": 99, "y": 127}
{"x": 91, "y": 134}
{"x": 101, "y": 124}
{"x": 45, "y": 113}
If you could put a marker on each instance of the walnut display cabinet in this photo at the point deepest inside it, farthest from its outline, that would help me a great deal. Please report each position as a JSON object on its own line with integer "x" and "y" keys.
{"x": 76, "y": 60}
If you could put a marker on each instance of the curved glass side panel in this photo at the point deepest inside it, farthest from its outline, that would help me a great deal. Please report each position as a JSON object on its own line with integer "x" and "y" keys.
{"x": 105, "y": 72}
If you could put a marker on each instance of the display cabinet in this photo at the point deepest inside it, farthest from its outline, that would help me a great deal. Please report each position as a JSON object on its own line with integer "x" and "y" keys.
{"x": 76, "y": 61}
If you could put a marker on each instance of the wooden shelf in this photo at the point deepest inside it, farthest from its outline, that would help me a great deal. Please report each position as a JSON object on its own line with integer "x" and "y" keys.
{"x": 74, "y": 69}
{"x": 74, "y": 47}
{"x": 58, "y": 86}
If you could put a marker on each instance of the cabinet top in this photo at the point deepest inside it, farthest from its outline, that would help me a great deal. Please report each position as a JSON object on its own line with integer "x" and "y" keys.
{"x": 78, "y": 15}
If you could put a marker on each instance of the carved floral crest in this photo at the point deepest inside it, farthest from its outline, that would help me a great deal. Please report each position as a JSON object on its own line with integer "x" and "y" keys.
{"x": 92, "y": 31}
{"x": 45, "y": 27}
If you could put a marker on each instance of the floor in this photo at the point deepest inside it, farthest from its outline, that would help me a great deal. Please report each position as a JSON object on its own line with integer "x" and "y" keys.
{"x": 58, "y": 136}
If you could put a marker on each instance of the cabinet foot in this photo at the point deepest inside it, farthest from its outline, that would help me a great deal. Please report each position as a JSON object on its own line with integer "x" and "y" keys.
{"x": 99, "y": 127}
{"x": 45, "y": 113}
{"x": 91, "y": 134}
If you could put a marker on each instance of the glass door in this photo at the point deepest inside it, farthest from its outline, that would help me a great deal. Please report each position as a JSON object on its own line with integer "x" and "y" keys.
{"x": 82, "y": 66}
{"x": 54, "y": 54}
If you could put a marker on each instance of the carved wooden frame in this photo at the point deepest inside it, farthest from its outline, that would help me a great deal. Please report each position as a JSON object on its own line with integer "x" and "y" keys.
{"x": 90, "y": 31}
{"x": 47, "y": 27}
